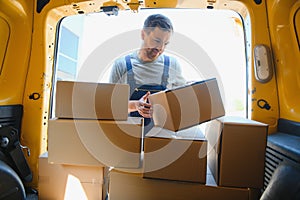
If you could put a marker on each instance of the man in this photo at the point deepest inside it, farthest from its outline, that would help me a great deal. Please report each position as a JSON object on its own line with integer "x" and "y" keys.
{"x": 148, "y": 70}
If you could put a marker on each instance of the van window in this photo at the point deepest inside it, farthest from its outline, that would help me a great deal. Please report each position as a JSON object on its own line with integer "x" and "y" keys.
{"x": 67, "y": 55}
{"x": 207, "y": 43}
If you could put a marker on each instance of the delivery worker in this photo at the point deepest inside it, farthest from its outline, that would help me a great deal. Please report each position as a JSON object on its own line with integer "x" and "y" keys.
{"x": 148, "y": 70}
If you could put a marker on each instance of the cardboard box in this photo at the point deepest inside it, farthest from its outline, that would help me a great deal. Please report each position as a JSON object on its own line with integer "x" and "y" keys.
{"x": 186, "y": 106}
{"x": 236, "y": 151}
{"x": 128, "y": 186}
{"x": 177, "y": 156}
{"x": 82, "y": 100}
{"x": 96, "y": 142}
{"x": 69, "y": 182}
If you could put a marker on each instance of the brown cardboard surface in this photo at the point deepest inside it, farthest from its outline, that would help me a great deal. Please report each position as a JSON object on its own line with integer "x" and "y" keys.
{"x": 84, "y": 100}
{"x": 128, "y": 186}
{"x": 183, "y": 107}
{"x": 175, "y": 155}
{"x": 70, "y": 182}
{"x": 236, "y": 149}
{"x": 96, "y": 142}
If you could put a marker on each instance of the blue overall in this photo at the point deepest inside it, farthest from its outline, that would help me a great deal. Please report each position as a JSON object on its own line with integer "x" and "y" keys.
{"x": 137, "y": 91}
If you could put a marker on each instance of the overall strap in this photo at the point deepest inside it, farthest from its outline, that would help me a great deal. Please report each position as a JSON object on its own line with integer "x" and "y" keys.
{"x": 165, "y": 76}
{"x": 130, "y": 75}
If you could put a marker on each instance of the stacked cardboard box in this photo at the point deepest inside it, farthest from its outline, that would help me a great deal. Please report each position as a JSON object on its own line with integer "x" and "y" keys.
{"x": 95, "y": 142}
{"x": 179, "y": 156}
{"x": 174, "y": 166}
{"x": 176, "y": 149}
{"x": 91, "y": 128}
{"x": 187, "y": 106}
{"x": 235, "y": 147}
{"x": 236, "y": 151}
{"x": 69, "y": 182}
{"x": 170, "y": 162}
{"x": 83, "y": 100}
{"x": 128, "y": 186}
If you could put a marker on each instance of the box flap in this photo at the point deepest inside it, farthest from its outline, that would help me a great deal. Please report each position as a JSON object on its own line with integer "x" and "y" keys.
{"x": 161, "y": 109}
{"x": 236, "y": 120}
{"x": 190, "y": 84}
{"x": 193, "y": 133}
{"x": 213, "y": 134}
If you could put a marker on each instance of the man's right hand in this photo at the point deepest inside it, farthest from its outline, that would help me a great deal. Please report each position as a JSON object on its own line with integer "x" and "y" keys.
{"x": 142, "y": 106}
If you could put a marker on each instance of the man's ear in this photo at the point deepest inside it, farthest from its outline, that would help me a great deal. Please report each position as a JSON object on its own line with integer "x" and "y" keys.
{"x": 143, "y": 34}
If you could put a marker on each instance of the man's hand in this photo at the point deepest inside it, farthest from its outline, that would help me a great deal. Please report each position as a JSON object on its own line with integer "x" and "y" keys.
{"x": 142, "y": 106}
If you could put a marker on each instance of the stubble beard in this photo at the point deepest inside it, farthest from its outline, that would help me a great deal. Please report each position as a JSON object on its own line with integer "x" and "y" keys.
{"x": 152, "y": 53}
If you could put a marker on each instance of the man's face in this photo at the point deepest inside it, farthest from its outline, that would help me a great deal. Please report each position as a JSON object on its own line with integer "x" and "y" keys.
{"x": 155, "y": 42}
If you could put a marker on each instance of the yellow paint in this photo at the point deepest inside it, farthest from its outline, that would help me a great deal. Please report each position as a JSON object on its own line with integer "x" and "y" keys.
{"x": 160, "y": 3}
{"x": 18, "y": 16}
{"x": 257, "y": 90}
{"x": 287, "y": 55}
{"x": 4, "y": 35}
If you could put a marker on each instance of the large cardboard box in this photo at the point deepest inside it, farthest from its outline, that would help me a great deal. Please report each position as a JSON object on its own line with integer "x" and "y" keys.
{"x": 129, "y": 186}
{"x": 186, "y": 106}
{"x": 177, "y": 156}
{"x": 96, "y": 142}
{"x": 236, "y": 151}
{"x": 69, "y": 182}
{"x": 82, "y": 100}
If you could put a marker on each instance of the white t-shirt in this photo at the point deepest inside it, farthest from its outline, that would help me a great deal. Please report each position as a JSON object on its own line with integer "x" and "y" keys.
{"x": 149, "y": 73}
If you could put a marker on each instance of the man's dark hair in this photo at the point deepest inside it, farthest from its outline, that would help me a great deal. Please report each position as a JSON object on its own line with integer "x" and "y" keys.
{"x": 158, "y": 20}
